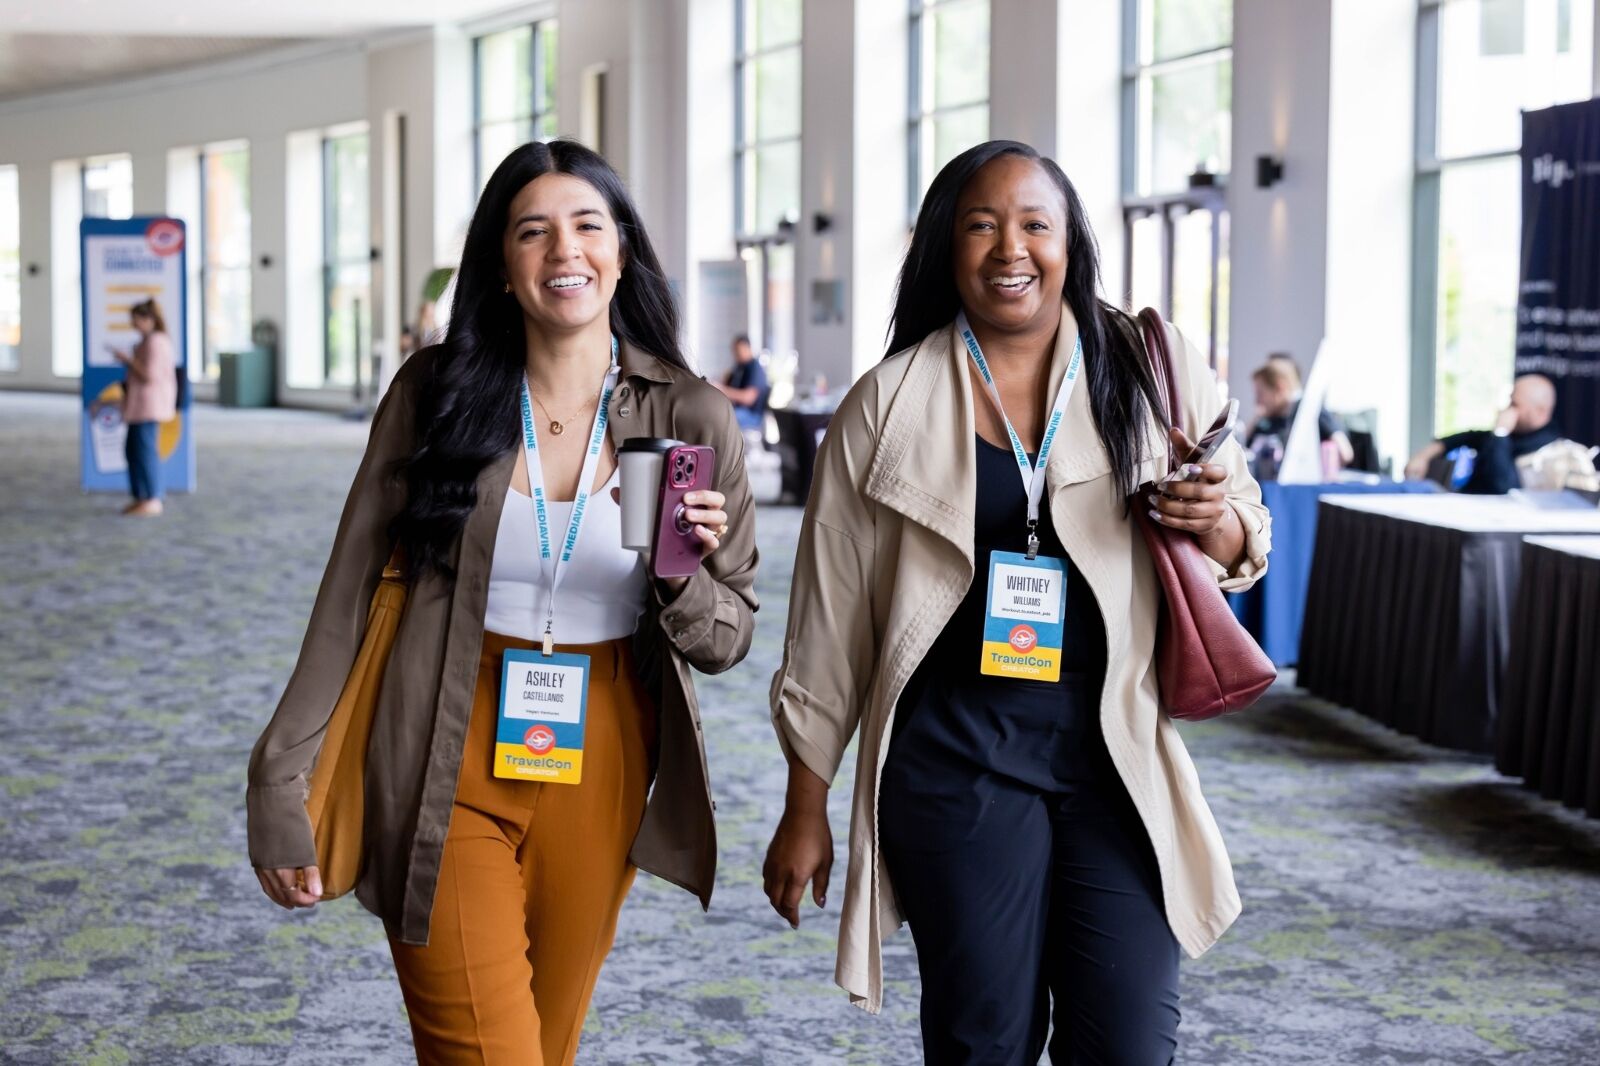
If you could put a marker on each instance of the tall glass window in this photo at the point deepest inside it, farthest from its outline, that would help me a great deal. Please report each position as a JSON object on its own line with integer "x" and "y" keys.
{"x": 1482, "y": 63}
{"x": 108, "y": 187}
{"x": 515, "y": 95}
{"x": 766, "y": 93}
{"x": 225, "y": 251}
{"x": 1177, "y": 137}
{"x": 767, "y": 113}
{"x": 949, "y": 86}
{"x": 346, "y": 256}
{"x": 10, "y": 271}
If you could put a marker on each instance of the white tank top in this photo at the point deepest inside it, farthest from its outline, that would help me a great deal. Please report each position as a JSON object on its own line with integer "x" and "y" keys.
{"x": 604, "y": 588}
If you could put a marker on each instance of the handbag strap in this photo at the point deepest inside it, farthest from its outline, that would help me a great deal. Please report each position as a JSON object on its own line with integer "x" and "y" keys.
{"x": 1158, "y": 353}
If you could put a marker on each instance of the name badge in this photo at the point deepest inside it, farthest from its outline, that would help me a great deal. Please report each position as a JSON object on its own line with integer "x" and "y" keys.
{"x": 1022, "y": 628}
{"x": 543, "y": 702}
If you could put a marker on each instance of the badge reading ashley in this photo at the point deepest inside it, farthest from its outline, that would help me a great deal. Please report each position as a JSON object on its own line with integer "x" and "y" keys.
{"x": 543, "y": 703}
{"x": 1022, "y": 627}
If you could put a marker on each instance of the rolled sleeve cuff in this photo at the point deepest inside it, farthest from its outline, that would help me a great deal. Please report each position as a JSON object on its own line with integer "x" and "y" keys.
{"x": 818, "y": 748}
{"x": 1257, "y": 524}
{"x": 279, "y": 829}
{"x": 688, "y": 618}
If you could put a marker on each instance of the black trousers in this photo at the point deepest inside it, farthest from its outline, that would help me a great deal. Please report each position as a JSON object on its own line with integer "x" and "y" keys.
{"x": 1036, "y": 896}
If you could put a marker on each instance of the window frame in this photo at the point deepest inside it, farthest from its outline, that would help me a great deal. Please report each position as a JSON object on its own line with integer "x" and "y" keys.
{"x": 535, "y": 115}
{"x": 100, "y": 161}
{"x": 741, "y": 147}
{"x": 209, "y": 364}
{"x": 331, "y": 262}
{"x": 1170, "y": 205}
{"x": 920, "y": 116}
{"x": 1430, "y": 168}
{"x": 15, "y": 207}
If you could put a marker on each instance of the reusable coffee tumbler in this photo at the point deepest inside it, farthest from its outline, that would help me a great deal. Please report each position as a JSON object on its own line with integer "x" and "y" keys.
{"x": 640, "y": 462}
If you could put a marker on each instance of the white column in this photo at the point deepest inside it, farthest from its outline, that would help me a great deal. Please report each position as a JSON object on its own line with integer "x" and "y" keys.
{"x": 150, "y": 182}
{"x": 34, "y": 248}
{"x": 1279, "y": 235}
{"x": 853, "y": 172}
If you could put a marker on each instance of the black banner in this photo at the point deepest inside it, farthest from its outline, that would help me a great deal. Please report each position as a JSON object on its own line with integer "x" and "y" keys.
{"x": 1558, "y": 302}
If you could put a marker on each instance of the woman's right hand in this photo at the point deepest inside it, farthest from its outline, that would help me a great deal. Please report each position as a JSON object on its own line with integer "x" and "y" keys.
{"x": 802, "y": 847}
{"x": 292, "y": 886}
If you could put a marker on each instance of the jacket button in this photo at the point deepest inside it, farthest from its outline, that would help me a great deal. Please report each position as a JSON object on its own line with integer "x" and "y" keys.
{"x": 680, "y": 634}
{"x": 623, "y": 411}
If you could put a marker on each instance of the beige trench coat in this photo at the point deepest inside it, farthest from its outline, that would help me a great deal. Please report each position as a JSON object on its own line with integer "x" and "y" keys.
{"x": 426, "y": 698}
{"x": 886, "y": 554}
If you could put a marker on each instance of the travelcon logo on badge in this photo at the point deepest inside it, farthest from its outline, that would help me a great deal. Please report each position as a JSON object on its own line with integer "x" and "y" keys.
{"x": 1023, "y": 638}
{"x": 539, "y": 739}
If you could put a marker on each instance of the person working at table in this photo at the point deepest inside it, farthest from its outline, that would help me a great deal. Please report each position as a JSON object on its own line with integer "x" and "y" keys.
{"x": 1526, "y": 425}
{"x": 1278, "y": 391}
{"x": 746, "y": 386}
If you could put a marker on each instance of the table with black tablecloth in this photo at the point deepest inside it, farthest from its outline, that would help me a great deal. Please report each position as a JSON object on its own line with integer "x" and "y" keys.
{"x": 800, "y": 433}
{"x": 1273, "y": 609}
{"x": 1408, "y": 612}
{"x": 1548, "y": 732}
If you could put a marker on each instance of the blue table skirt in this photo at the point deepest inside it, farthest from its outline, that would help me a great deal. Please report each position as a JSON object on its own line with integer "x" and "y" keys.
{"x": 1272, "y": 611}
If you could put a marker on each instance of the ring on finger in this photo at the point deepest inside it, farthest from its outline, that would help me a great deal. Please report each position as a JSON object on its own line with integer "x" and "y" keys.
{"x": 722, "y": 531}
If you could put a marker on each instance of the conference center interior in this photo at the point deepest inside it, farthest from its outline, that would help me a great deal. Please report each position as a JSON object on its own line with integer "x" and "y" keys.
{"x": 1288, "y": 311}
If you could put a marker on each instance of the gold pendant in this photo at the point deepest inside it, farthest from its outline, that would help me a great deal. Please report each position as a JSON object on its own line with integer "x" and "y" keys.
{"x": 556, "y": 427}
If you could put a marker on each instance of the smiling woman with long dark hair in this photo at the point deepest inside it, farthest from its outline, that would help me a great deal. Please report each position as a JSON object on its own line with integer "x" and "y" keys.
{"x": 970, "y": 594}
{"x": 499, "y": 893}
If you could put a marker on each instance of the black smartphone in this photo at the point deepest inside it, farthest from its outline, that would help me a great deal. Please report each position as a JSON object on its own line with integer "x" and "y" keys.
{"x": 1212, "y": 440}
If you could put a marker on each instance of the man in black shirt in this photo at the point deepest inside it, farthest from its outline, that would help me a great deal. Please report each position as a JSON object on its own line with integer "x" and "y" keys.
{"x": 1524, "y": 427}
{"x": 746, "y": 386}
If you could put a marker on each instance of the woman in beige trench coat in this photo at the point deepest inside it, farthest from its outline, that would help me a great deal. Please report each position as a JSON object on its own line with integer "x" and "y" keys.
{"x": 1044, "y": 839}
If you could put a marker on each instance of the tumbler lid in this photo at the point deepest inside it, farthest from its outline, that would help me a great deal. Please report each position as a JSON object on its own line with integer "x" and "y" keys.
{"x": 649, "y": 444}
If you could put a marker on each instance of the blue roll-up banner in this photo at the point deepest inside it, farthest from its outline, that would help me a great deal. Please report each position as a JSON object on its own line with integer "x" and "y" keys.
{"x": 126, "y": 261}
{"x": 1558, "y": 303}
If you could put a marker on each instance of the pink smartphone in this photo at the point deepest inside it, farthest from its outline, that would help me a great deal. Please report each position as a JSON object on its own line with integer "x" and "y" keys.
{"x": 687, "y": 468}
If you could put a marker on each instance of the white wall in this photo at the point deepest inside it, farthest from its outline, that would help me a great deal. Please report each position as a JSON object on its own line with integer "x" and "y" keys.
{"x": 1279, "y": 235}
{"x": 256, "y": 100}
{"x": 262, "y": 100}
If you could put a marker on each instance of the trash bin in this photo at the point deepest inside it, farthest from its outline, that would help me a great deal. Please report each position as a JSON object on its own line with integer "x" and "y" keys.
{"x": 245, "y": 378}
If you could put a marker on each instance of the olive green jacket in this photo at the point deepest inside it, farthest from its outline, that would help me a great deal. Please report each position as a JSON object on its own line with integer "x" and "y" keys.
{"x": 427, "y": 692}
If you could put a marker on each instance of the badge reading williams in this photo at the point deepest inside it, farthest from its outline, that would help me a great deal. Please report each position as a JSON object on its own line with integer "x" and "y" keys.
{"x": 543, "y": 702}
{"x": 1022, "y": 628}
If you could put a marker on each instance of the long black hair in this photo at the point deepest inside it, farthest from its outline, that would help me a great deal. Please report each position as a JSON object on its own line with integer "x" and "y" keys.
{"x": 466, "y": 413}
{"x": 1121, "y": 390}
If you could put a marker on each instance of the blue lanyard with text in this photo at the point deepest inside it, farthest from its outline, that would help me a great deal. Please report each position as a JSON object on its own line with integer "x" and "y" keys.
{"x": 550, "y": 564}
{"x": 1032, "y": 474}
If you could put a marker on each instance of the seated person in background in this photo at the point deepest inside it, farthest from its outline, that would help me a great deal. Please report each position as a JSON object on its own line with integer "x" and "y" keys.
{"x": 1525, "y": 426}
{"x": 746, "y": 386}
{"x": 1277, "y": 385}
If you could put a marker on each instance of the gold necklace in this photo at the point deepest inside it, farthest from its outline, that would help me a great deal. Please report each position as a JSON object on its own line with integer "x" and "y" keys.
{"x": 557, "y": 427}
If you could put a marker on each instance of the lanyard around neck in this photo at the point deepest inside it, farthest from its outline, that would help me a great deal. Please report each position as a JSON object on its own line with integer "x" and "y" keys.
{"x": 552, "y": 563}
{"x": 1032, "y": 474}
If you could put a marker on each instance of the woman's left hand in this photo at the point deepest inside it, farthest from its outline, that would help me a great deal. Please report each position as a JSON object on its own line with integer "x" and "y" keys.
{"x": 1193, "y": 499}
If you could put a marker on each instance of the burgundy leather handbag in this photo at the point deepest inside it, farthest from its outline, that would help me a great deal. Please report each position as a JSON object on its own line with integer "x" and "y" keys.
{"x": 1207, "y": 664}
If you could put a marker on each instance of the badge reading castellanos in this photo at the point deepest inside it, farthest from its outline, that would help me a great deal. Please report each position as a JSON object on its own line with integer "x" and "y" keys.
{"x": 1022, "y": 628}
{"x": 543, "y": 700}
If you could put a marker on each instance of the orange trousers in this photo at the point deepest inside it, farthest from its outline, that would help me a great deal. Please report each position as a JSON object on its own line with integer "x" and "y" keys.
{"x": 531, "y": 881}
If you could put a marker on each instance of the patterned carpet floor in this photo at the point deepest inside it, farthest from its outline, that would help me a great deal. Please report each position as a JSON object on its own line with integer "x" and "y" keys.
{"x": 1402, "y": 904}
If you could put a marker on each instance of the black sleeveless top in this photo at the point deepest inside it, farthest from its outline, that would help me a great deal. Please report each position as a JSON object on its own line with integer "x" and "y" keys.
{"x": 952, "y": 719}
